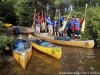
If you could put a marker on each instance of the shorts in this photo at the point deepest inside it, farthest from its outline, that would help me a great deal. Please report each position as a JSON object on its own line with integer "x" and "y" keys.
{"x": 37, "y": 29}
{"x": 50, "y": 28}
{"x": 77, "y": 32}
{"x": 55, "y": 29}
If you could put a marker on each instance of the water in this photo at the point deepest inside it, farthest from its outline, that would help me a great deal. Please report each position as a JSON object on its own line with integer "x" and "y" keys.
{"x": 74, "y": 60}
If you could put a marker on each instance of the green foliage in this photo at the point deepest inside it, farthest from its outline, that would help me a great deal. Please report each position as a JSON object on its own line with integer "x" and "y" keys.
{"x": 20, "y": 12}
{"x": 3, "y": 41}
{"x": 78, "y": 3}
{"x": 24, "y": 13}
{"x": 7, "y": 11}
{"x": 1, "y": 23}
{"x": 1, "y": 30}
{"x": 58, "y": 2}
{"x": 92, "y": 29}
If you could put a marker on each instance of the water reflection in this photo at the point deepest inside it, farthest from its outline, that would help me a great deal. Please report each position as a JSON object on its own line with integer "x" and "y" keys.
{"x": 76, "y": 58}
{"x": 73, "y": 60}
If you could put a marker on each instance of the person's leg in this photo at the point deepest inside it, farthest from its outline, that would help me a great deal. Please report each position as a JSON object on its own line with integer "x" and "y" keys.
{"x": 55, "y": 31}
{"x": 51, "y": 30}
{"x": 79, "y": 35}
{"x": 65, "y": 32}
{"x": 48, "y": 29}
{"x": 36, "y": 29}
{"x": 75, "y": 34}
{"x": 39, "y": 28}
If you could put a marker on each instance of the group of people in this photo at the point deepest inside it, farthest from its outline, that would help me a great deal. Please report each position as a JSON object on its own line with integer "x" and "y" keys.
{"x": 53, "y": 26}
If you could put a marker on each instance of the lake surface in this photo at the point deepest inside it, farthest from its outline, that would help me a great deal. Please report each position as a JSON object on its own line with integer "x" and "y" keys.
{"x": 74, "y": 61}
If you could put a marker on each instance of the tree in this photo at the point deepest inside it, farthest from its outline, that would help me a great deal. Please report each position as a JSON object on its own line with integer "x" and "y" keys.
{"x": 7, "y": 13}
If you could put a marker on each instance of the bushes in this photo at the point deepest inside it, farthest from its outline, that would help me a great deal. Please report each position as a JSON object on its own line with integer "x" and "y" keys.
{"x": 92, "y": 29}
{"x": 1, "y": 23}
{"x": 3, "y": 41}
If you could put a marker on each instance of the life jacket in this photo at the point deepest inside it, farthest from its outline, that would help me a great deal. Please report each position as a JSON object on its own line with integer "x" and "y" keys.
{"x": 68, "y": 24}
{"x": 61, "y": 19}
{"x": 52, "y": 23}
{"x": 47, "y": 20}
{"x": 76, "y": 23}
{"x": 55, "y": 23}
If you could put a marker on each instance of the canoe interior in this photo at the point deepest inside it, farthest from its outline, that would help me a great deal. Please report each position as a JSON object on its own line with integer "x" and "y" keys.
{"x": 46, "y": 44}
{"x": 22, "y": 55}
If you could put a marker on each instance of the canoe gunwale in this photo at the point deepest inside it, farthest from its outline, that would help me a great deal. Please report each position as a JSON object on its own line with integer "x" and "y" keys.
{"x": 85, "y": 43}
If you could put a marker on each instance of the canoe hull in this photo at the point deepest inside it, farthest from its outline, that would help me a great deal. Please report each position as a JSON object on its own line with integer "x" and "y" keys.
{"x": 52, "y": 51}
{"x": 84, "y": 44}
{"x": 22, "y": 57}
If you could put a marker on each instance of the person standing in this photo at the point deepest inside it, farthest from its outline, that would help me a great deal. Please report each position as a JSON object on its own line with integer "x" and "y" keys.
{"x": 61, "y": 21}
{"x": 49, "y": 26}
{"x": 38, "y": 26}
{"x": 41, "y": 19}
{"x": 76, "y": 24}
{"x": 56, "y": 33}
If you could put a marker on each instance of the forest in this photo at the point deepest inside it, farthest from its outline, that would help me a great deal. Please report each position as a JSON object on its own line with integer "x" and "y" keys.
{"x": 21, "y": 12}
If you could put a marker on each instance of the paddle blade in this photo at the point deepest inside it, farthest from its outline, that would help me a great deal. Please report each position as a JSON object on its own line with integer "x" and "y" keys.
{"x": 64, "y": 25}
{"x": 83, "y": 26}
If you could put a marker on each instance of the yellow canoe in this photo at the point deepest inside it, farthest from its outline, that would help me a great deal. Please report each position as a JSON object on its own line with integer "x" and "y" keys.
{"x": 76, "y": 43}
{"x": 22, "y": 56}
{"x": 7, "y": 25}
{"x": 52, "y": 50}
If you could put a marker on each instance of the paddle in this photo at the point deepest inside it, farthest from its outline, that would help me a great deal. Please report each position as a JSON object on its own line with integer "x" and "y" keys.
{"x": 83, "y": 24}
{"x": 43, "y": 27}
{"x": 45, "y": 22}
{"x": 63, "y": 27}
{"x": 33, "y": 25}
{"x": 59, "y": 17}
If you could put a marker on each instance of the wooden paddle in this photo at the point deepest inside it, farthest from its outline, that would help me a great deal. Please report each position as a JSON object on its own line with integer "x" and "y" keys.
{"x": 43, "y": 24}
{"x": 59, "y": 17}
{"x": 64, "y": 25}
{"x": 83, "y": 24}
